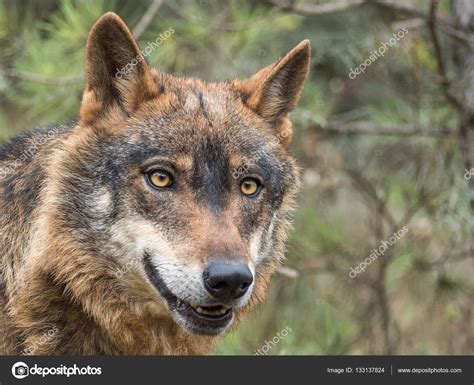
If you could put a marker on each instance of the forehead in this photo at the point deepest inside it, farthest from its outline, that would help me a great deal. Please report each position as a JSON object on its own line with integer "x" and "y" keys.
{"x": 195, "y": 125}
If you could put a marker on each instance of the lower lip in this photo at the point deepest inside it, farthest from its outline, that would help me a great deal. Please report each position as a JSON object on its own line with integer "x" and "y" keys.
{"x": 202, "y": 323}
{"x": 196, "y": 322}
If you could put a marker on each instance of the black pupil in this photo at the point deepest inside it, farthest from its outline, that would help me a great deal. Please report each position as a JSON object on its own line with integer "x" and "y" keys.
{"x": 162, "y": 178}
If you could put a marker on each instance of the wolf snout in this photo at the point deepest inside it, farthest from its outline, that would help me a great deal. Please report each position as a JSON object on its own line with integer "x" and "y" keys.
{"x": 227, "y": 281}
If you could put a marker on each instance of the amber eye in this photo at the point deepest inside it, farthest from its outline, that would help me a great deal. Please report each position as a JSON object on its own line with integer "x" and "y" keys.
{"x": 249, "y": 187}
{"x": 160, "y": 179}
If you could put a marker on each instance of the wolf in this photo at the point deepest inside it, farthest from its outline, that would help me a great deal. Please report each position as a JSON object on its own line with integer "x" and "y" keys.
{"x": 128, "y": 231}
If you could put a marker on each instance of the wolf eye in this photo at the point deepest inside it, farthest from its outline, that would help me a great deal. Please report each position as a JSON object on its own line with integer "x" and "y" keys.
{"x": 160, "y": 179}
{"x": 250, "y": 187}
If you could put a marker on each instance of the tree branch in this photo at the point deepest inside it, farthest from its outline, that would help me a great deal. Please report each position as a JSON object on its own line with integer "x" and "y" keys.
{"x": 344, "y": 5}
{"x": 445, "y": 82}
{"x": 318, "y": 9}
{"x": 368, "y": 127}
{"x": 146, "y": 18}
{"x": 42, "y": 79}
{"x": 365, "y": 186}
{"x": 414, "y": 11}
{"x": 288, "y": 272}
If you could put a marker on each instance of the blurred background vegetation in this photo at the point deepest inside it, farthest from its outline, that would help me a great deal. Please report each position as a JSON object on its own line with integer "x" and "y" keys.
{"x": 384, "y": 150}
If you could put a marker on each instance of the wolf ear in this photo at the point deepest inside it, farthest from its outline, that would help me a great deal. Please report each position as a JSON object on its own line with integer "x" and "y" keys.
{"x": 274, "y": 91}
{"x": 116, "y": 72}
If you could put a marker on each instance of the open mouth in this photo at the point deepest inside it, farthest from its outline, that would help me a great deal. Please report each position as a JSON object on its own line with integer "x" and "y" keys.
{"x": 198, "y": 319}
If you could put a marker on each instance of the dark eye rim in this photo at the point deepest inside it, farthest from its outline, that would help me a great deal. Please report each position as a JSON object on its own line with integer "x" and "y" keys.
{"x": 149, "y": 173}
{"x": 255, "y": 179}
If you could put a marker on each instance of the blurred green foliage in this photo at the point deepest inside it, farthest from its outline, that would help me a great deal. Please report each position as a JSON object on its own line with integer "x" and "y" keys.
{"x": 418, "y": 297}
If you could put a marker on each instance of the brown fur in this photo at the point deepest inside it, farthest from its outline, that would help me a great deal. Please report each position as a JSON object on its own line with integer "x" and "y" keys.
{"x": 51, "y": 278}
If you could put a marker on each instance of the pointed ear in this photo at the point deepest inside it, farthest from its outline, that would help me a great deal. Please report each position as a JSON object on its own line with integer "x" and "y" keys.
{"x": 274, "y": 91}
{"x": 115, "y": 70}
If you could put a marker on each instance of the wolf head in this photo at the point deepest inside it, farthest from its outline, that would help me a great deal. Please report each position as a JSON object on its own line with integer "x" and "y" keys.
{"x": 183, "y": 185}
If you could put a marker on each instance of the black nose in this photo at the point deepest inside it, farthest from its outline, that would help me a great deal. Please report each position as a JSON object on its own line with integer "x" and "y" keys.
{"x": 227, "y": 281}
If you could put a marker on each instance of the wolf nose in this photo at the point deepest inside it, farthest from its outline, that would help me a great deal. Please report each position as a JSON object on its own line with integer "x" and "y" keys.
{"x": 227, "y": 281}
